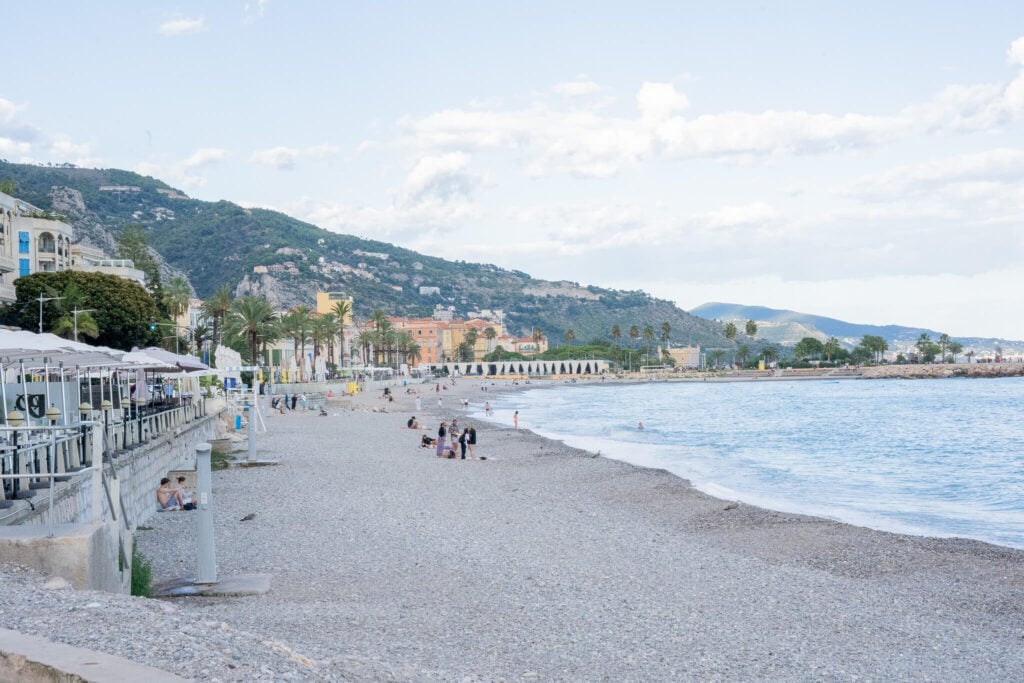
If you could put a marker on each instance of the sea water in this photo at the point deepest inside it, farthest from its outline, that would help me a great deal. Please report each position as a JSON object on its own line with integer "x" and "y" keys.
{"x": 940, "y": 457}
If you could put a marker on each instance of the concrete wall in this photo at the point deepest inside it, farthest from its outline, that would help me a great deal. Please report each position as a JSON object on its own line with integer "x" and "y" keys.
{"x": 97, "y": 555}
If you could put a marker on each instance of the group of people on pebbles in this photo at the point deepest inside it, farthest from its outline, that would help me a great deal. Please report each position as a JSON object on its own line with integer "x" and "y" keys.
{"x": 450, "y": 441}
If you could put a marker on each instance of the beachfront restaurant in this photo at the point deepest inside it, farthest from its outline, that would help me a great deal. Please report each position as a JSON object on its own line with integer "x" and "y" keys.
{"x": 55, "y": 391}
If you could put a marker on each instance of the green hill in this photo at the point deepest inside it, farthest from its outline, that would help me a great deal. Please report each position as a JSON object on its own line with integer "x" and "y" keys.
{"x": 220, "y": 243}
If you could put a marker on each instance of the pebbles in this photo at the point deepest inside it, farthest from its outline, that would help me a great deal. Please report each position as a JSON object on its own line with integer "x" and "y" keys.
{"x": 391, "y": 564}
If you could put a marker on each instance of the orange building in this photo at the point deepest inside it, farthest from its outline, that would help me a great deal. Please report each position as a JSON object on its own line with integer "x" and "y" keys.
{"x": 426, "y": 333}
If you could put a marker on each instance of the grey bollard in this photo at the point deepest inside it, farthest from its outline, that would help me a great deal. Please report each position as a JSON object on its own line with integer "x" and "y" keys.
{"x": 251, "y": 453}
{"x": 207, "y": 553}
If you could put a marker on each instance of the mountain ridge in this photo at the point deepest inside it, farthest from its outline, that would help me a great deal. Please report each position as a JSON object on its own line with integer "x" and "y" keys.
{"x": 222, "y": 243}
{"x": 788, "y": 327}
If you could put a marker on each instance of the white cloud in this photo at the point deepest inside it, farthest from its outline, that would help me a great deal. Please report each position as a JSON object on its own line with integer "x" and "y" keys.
{"x": 8, "y": 109}
{"x": 1004, "y": 164}
{"x": 658, "y": 101}
{"x": 439, "y": 177}
{"x": 577, "y": 88}
{"x": 176, "y": 27}
{"x": 281, "y": 158}
{"x": 10, "y": 148}
{"x": 254, "y": 11}
{"x": 204, "y": 157}
{"x": 321, "y": 152}
{"x": 63, "y": 150}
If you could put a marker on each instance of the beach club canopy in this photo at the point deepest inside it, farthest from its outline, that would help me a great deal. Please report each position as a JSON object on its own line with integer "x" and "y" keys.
{"x": 180, "y": 362}
{"x": 37, "y": 350}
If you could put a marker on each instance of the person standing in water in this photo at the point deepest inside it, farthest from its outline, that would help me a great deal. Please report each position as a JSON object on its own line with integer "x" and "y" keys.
{"x": 515, "y": 419}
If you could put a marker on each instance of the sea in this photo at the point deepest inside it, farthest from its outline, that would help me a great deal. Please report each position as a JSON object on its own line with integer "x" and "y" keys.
{"x": 936, "y": 457}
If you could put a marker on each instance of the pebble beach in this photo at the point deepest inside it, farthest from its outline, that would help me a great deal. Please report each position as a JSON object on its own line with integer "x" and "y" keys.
{"x": 542, "y": 562}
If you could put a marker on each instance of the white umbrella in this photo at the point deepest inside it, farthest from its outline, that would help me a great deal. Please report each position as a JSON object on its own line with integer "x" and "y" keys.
{"x": 307, "y": 367}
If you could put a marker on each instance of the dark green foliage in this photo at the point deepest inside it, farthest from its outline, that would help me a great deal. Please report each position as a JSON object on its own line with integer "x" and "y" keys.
{"x": 142, "y": 573}
{"x": 123, "y": 308}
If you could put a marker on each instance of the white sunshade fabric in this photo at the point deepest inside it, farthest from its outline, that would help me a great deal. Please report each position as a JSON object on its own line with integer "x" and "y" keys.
{"x": 182, "y": 362}
{"x": 36, "y": 350}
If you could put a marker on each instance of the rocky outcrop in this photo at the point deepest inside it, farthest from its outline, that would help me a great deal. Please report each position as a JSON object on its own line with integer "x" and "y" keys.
{"x": 945, "y": 370}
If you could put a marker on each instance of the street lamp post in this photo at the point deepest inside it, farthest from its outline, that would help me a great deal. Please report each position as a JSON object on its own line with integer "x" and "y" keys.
{"x": 41, "y": 299}
{"x": 76, "y": 312}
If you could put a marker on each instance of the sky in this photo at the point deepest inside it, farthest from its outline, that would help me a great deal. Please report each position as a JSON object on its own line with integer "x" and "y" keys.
{"x": 862, "y": 161}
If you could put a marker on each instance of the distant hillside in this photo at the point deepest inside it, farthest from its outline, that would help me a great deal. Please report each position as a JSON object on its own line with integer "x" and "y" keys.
{"x": 220, "y": 243}
{"x": 789, "y": 327}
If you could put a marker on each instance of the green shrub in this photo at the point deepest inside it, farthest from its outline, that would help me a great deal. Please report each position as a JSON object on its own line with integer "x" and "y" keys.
{"x": 142, "y": 573}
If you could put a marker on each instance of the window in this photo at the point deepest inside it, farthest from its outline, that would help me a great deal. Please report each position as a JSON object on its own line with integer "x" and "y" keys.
{"x": 23, "y": 267}
{"x": 23, "y": 242}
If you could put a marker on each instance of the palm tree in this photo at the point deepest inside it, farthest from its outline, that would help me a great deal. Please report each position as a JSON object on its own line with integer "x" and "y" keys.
{"x": 175, "y": 297}
{"x": 634, "y": 334}
{"x": 66, "y": 325}
{"x": 343, "y": 311}
{"x": 718, "y": 355}
{"x": 648, "y": 336}
{"x": 471, "y": 337}
{"x": 403, "y": 341}
{"x": 969, "y": 354}
{"x": 292, "y": 325}
{"x": 321, "y": 332}
{"x": 412, "y": 354}
{"x": 730, "y": 331}
{"x": 570, "y": 336}
{"x": 742, "y": 353}
{"x": 253, "y": 319}
{"x": 200, "y": 335}
{"x": 831, "y": 348}
{"x": 537, "y": 336}
{"x": 616, "y": 333}
{"x": 666, "y": 331}
{"x": 489, "y": 334}
{"x": 750, "y": 328}
{"x": 216, "y": 309}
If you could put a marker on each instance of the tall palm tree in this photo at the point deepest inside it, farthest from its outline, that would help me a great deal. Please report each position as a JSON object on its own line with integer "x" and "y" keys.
{"x": 200, "y": 335}
{"x": 404, "y": 340}
{"x": 330, "y": 325}
{"x": 489, "y": 334}
{"x": 666, "y": 332}
{"x": 570, "y": 336}
{"x": 616, "y": 333}
{"x": 730, "y": 330}
{"x": 343, "y": 312}
{"x": 412, "y": 354}
{"x": 321, "y": 332}
{"x": 750, "y": 328}
{"x": 175, "y": 296}
{"x": 471, "y": 337}
{"x": 648, "y": 336}
{"x": 290, "y": 326}
{"x": 634, "y": 334}
{"x": 537, "y": 336}
{"x": 253, "y": 319}
{"x": 831, "y": 348}
{"x": 216, "y": 309}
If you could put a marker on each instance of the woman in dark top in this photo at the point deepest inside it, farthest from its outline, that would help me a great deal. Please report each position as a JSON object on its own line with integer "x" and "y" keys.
{"x": 463, "y": 439}
{"x": 471, "y": 440}
{"x": 441, "y": 433}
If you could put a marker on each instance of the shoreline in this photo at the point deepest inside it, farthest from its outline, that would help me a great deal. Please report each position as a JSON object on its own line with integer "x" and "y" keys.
{"x": 542, "y": 563}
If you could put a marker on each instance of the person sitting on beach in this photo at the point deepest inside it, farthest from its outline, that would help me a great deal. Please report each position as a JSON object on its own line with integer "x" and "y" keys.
{"x": 412, "y": 423}
{"x": 426, "y": 441}
{"x": 168, "y": 498}
{"x": 188, "y": 502}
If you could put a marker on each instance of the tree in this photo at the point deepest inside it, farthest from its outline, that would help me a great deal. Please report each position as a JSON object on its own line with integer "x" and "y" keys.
{"x": 295, "y": 325}
{"x": 970, "y": 355}
{"x": 831, "y": 348}
{"x": 570, "y": 336}
{"x": 74, "y": 320}
{"x": 538, "y": 335}
{"x": 718, "y": 355}
{"x": 252, "y": 319}
{"x": 489, "y": 334}
{"x": 216, "y": 309}
{"x": 943, "y": 345}
{"x": 927, "y": 348}
{"x": 742, "y": 353}
{"x": 648, "y": 336}
{"x": 730, "y": 331}
{"x": 175, "y": 297}
{"x": 750, "y": 328}
{"x": 200, "y": 335}
{"x": 123, "y": 308}
{"x": 343, "y": 311}
{"x": 132, "y": 244}
{"x": 666, "y": 332}
{"x": 321, "y": 332}
{"x": 955, "y": 348}
{"x": 807, "y": 347}
{"x": 876, "y": 346}
{"x": 616, "y": 333}
{"x": 634, "y": 334}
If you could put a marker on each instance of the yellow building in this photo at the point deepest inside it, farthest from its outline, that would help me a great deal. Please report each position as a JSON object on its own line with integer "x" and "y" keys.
{"x": 685, "y": 357}
{"x": 325, "y": 304}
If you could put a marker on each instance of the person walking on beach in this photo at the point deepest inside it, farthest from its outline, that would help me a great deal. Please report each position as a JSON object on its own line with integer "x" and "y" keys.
{"x": 441, "y": 433}
{"x": 471, "y": 440}
{"x": 515, "y": 419}
{"x": 487, "y": 408}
